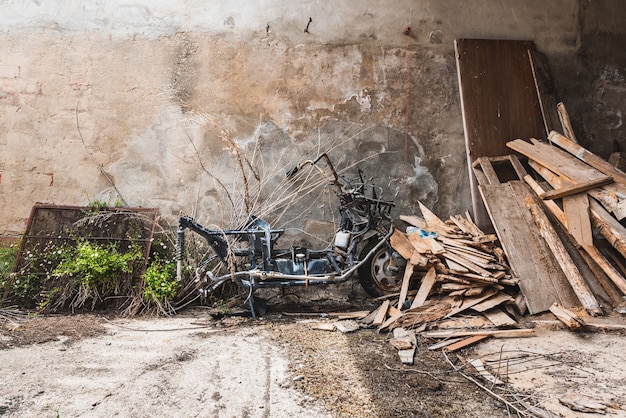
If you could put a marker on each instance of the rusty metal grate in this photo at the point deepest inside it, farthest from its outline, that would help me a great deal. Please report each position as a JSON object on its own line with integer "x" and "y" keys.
{"x": 51, "y": 227}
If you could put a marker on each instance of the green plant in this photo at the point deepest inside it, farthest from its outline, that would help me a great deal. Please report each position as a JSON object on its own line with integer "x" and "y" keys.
{"x": 96, "y": 266}
{"x": 160, "y": 282}
{"x": 90, "y": 271}
{"x": 7, "y": 260}
{"x": 97, "y": 205}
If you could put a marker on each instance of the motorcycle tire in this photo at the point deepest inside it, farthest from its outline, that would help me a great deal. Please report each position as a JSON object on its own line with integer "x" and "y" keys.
{"x": 378, "y": 276}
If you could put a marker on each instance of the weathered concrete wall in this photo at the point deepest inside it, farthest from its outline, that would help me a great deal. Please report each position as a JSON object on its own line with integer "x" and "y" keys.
{"x": 161, "y": 103}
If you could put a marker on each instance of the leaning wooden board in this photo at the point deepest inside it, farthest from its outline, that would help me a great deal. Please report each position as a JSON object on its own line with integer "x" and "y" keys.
{"x": 541, "y": 279}
{"x": 498, "y": 102}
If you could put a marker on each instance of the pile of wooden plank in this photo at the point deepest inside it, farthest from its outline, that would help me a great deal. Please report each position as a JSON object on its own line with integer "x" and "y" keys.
{"x": 464, "y": 280}
{"x": 583, "y": 194}
{"x": 558, "y": 247}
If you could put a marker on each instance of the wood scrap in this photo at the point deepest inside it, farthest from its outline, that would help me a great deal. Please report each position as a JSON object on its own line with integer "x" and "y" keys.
{"x": 567, "y": 165}
{"x": 530, "y": 259}
{"x": 499, "y": 318}
{"x": 347, "y": 325}
{"x": 382, "y": 314}
{"x": 492, "y": 302}
{"x": 545, "y": 89}
{"x": 408, "y": 272}
{"x": 584, "y": 155}
{"x": 466, "y": 342}
{"x": 444, "y": 343}
{"x": 500, "y": 333}
{"x": 414, "y": 220}
{"x": 468, "y": 271}
{"x": 580, "y": 287}
{"x": 479, "y": 366}
{"x": 433, "y": 223}
{"x": 576, "y": 188}
{"x": 565, "y": 122}
{"x": 596, "y": 256}
{"x": 566, "y": 316}
{"x": 418, "y": 316}
{"x": 428, "y": 281}
{"x": 584, "y": 403}
{"x": 401, "y": 244}
{"x": 323, "y": 326}
{"x": 406, "y": 343}
{"x": 556, "y": 160}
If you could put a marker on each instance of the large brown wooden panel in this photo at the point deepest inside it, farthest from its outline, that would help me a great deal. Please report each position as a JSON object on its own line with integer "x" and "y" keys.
{"x": 499, "y": 102}
{"x": 542, "y": 281}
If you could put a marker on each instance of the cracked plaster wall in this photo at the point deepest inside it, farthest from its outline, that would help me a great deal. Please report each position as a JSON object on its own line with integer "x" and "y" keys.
{"x": 161, "y": 103}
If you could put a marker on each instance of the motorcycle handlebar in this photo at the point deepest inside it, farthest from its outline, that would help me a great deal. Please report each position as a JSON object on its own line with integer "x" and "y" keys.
{"x": 297, "y": 168}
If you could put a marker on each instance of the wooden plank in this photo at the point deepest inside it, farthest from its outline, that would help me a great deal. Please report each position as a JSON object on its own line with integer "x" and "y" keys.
{"x": 466, "y": 342}
{"x": 612, "y": 197}
{"x": 566, "y": 124}
{"x": 492, "y": 302}
{"x": 476, "y": 259}
{"x": 550, "y": 204}
{"x": 493, "y": 280}
{"x": 435, "y": 247}
{"x": 576, "y": 210}
{"x": 575, "y": 217}
{"x": 575, "y": 188}
{"x": 545, "y": 90}
{"x": 401, "y": 244}
{"x": 414, "y": 220}
{"x": 433, "y": 223}
{"x": 556, "y": 160}
{"x": 382, "y": 314}
{"x": 540, "y": 278}
{"x": 455, "y": 267}
{"x": 572, "y": 273}
{"x": 566, "y": 316}
{"x": 418, "y": 243}
{"x": 612, "y": 273}
{"x": 406, "y": 355}
{"x": 369, "y": 318}
{"x": 349, "y": 315}
{"x": 517, "y": 166}
{"x": 499, "y": 318}
{"x": 393, "y": 311}
{"x": 501, "y": 333}
{"x": 408, "y": 272}
{"x": 426, "y": 286}
{"x": 614, "y": 295}
{"x": 607, "y": 195}
{"x": 460, "y": 246}
{"x": 487, "y": 168}
{"x": 480, "y": 368}
{"x": 498, "y": 102}
{"x": 466, "y": 263}
{"x": 583, "y": 155}
{"x": 454, "y": 286}
{"x": 444, "y": 343}
{"x": 347, "y": 325}
{"x": 608, "y": 226}
{"x": 469, "y": 302}
{"x": 454, "y": 279}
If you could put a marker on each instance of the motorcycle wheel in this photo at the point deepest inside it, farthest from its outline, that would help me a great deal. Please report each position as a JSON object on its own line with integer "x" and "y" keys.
{"x": 378, "y": 276}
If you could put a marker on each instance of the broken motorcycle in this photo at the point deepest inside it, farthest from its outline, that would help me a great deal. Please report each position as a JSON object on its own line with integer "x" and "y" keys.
{"x": 253, "y": 260}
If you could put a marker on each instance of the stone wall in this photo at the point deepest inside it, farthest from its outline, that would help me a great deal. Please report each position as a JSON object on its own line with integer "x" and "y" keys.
{"x": 201, "y": 107}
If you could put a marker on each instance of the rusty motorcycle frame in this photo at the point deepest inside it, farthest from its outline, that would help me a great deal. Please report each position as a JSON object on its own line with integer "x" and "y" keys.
{"x": 360, "y": 246}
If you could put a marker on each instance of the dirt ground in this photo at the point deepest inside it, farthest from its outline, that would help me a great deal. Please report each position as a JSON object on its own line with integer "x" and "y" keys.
{"x": 279, "y": 366}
